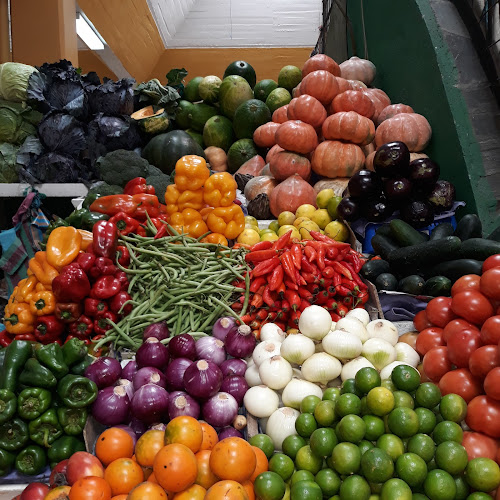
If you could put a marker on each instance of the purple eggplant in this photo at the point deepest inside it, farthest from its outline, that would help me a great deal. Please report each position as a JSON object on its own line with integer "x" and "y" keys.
{"x": 392, "y": 159}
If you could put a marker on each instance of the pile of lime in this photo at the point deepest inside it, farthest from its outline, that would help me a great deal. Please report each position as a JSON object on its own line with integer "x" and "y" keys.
{"x": 372, "y": 440}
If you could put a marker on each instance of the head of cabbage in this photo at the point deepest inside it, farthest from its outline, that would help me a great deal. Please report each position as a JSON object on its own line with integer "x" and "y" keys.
{"x": 8, "y": 163}
{"x": 14, "y": 79}
{"x": 17, "y": 121}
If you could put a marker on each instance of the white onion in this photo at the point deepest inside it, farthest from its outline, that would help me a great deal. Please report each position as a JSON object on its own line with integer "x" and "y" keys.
{"x": 275, "y": 372}
{"x": 265, "y": 350}
{"x": 280, "y": 425}
{"x": 297, "y": 373}
{"x": 353, "y": 325}
{"x": 321, "y": 368}
{"x": 342, "y": 344}
{"x": 350, "y": 369}
{"x": 261, "y": 401}
{"x": 379, "y": 352}
{"x": 249, "y": 361}
{"x": 297, "y": 348}
{"x": 270, "y": 331}
{"x": 315, "y": 322}
{"x": 296, "y": 390}
{"x": 386, "y": 372}
{"x": 383, "y": 329}
{"x": 360, "y": 314}
{"x": 252, "y": 376}
{"x": 407, "y": 354}
{"x": 318, "y": 346}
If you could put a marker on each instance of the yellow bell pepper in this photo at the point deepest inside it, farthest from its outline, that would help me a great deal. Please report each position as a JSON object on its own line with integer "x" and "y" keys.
{"x": 27, "y": 288}
{"x": 188, "y": 221}
{"x": 220, "y": 190}
{"x": 63, "y": 246}
{"x": 87, "y": 238}
{"x": 172, "y": 199}
{"x": 216, "y": 239}
{"x": 42, "y": 303}
{"x": 191, "y": 172}
{"x": 190, "y": 199}
{"x": 229, "y": 221}
{"x": 42, "y": 270}
{"x": 18, "y": 318}
{"x": 205, "y": 212}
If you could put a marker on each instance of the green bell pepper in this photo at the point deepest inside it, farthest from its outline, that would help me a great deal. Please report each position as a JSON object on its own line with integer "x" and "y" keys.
{"x": 2, "y": 357}
{"x": 13, "y": 434}
{"x": 75, "y": 218}
{"x": 72, "y": 420}
{"x": 31, "y": 461}
{"x": 63, "y": 448}
{"x": 36, "y": 375}
{"x": 76, "y": 391}
{"x": 45, "y": 429}
{"x": 90, "y": 218}
{"x": 33, "y": 402}
{"x": 74, "y": 351}
{"x": 7, "y": 460}
{"x": 79, "y": 368}
{"x": 8, "y": 405}
{"x": 51, "y": 356}
{"x": 17, "y": 354}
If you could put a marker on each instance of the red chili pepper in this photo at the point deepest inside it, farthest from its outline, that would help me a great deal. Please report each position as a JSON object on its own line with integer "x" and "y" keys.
{"x": 337, "y": 280}
{"x": 105, "y": 287}
{"x": 257, "y": 283}
{"x": 280, "y": 325}
{"x": 105, "y": 239}
{"x": 255, "y": 324}
{"x": 246, "y": 319}
{"x": 331, "y": 304}
{"x": 97, "y": 352}
{"x": 342, "y": 290}
{"x": 291, "y": 286}
{"x": 5, "y": 338}
{"x": 310, "y": 253}
{"x": 239, "y": 284}
{"x": 299, "y": 279}
{"x": 322, "y": 298}
{"x": 362, "y": 298}
{"x": 266, "y": 297}
{"x": 276, "y": 278}
{"x": 86, "y": 261}
{"x": 282, "y": 241}
{"x": 335, "y": 317}
{"x": 257, "y": 300}
{"x": 296, "y": 252}
{"x": 331, "y": 252}
{"x": 124, "y": 223}
{"x": 237, "y": 306}
{"x": 355, "y": 276}
{"x": 118, "y": 305}
{"x": 322, "y": 237}
{"x": 303, "y": 305}
{"x": 48, "y": 329}
{"x": 272, "y": 316}
{"x": 308, "y": 267}
{"x": 138, "y": 186}
{"x": 306, "y": 294}
{"x": 162, "y": 232}
{"x": 293, "y": 298}
{"x": 313, "y": 288}
{"x": 101, "y": 325}
{"x": 320, "y": 259}
{"x": 277, "y": 306}
{"x": 261, "y": 315}
{"x": 348, "y": 301}
{"x": 342, "y": 310}
{"x": 261, "y": 245}
{"x": 328, "y": 272}
{"x": 281, "y": 290}
{"x": 294, "y": 317}
{"x": 285, "y": 306}
{"x": 288, "y": 267}
{"x": 340, "y": 268}
{"x": 260, "y": 255}
{"x": 308, "y": 277}
{"x": 265, "y": 267}
{"x": 82, "y": 327}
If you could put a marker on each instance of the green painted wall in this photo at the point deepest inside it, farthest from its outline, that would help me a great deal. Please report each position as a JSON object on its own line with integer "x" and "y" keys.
{"x": 415, "y": 67}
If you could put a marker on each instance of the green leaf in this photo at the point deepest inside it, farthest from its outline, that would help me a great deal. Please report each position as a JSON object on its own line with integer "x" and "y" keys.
{"x": 8, "y": 163}
{"x": 175, "y": 76}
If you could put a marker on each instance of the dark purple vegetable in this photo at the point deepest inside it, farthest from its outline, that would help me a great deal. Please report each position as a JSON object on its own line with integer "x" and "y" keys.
{"x": 149, "y": 375}
{"x": 128, "y": 430}
{"x": 104, "y": 372}
{"x": 111, "y": 406}
{"x": 138, "y": 426}
{"x": 150, "y": 403}
{"x": 222, "y": 327}
{"x": 183, "y": 346}
{"x": 442, "y": 196}
{"x": 211, "y": 349}
{"x": 348, "y": 209}
{"x": 128, "y": 386}
{"x": 240, "y": 343}
{"x": 233, "y": 367}
{"x": 392, "y": 159}
{"x": 129, "y": 370}
{"x": 203, "y": 379}
{"x": 152, "y": 353}
{"x": 376, "y": 210}
{"x": 417, "y": 213}
{"x": 157, "y": 330}
{"x": 424, "y": 174}
{"x": 236, "y": 386}
{"x": 398, "y": 189}
{"x": 175, "y": 373}
{"x": 227, "y": 432}
{"x": 183, "y": 404}
{"x": 220, "y": 410}
{"x": 364, "y": 184}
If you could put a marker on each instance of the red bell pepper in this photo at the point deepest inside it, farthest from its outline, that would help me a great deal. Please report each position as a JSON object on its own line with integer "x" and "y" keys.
{"x": 29, "y": 337}
{"x": 125, "y": 223}
{"x": 72, "y": 285}
{"x": 114, "y": 204}
{"x": 101, "y": 325}
{"x": 138, "y": 186}
{"x": 48, "y": 329}
{"x": 82, "y": 327}
{"x": 92, "y": 307}
{"x": 116, "y": 304}
{"x": 86, "y": 261}
{"x": 67, "y": 312}
{"x": 105, "y": 287}
{"x": 105, "y": 239}
{"x": 146, "y": 204}
{"x": 103, "y": 267}
{"x": 5, "y": 338}
{"x": 123, "y": 256}
{"x": 122, "y": 277}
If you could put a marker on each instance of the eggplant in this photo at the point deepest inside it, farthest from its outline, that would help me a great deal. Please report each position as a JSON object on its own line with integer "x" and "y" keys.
{"x": 424, "y": 174}
{"x": 392, "y": 159}
{"x": 348, "y": 209}
{"x": 398, "y": 190}
{"x": 442, "y": 196}
{"x": 364, "y": 184}
{"x": 377, "y": 209}
{"x": 418, "y": 213}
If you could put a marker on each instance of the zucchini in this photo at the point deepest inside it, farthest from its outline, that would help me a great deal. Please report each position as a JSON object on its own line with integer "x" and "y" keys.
{"x": 454, "y": 269}
{"x": 386, "y": 281}
{"x": 468, "y": 227}
{"x": 404, "y": 234}
{"x": 495, "y": 235}
{"x": 413, "y": 284}
{"x": 442, "y": 231}
{"x": 373, "y": 268}
{"x": 384, "y": 230}
{"x": 383, "y": 246}
{"x": 479, "y": 248}
{"x": 437, "y": 286}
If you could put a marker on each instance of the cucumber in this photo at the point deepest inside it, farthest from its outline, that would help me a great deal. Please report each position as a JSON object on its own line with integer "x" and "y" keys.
{"x": 382, "y": 245}
{"x": 373, "y": 268}
{"x": 479, "y": 248}
{"x": 442, "y": 231}
{"x": 384, "y": 230}
{"x": 495, "y": 235}
{"x": 386, "y": 281}
{"x": 413, "y": 284}
{"x": 468, "y": 227}
{"x": 437, "y": 286}
{"x": 404, "y": 234}
{"x": 454, "y": 269}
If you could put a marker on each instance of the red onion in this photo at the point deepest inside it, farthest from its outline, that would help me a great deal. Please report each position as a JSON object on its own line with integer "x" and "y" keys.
{"x": 183, "y": 346}
{"x": 129, "y": 370}
{"x": 174, "y": 373}
{"x": 203, "y": 379}
{"x": 236, "y": 386}
{"x": 174, "y": 394}
{"x": 149, "y": 375}
{"x": 111, "y": 406}
{"x": 210, "y": 349}
{"x": 222, "y": 327}
{"x": 233, "y": 367}
{"x": 240, "y": 342}
{"x": 104, "y": 372}
{"x": 152, "y": 353}
{"x": 138, "y": 426}
{"x": 227, "y": 432}
{"x": 220, "y": 410}
{"x": 150, "y": 403}
{"x": 129, "y": 431}
{"x": 157, "y": 330}
{"x": 183, "y": 404}
{"x": 128, "y": 386}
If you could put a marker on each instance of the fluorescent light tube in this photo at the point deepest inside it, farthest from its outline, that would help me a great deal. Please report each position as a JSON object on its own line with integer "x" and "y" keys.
{"x": 88, "y": 35}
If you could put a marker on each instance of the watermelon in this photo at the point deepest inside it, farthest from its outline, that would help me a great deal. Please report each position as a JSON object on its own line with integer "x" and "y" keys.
{"x": 250, "y": 115}
{"x": 277, "y": 98}
{"x": 218, "y": 132}
{"x": 209, "y": 89}
{"x": 242, "y": 68}
{"x": 191, "y": 92}
{"x": 239, "y": 153}
{"x": 289, "y": 77}
{"x": 233, "y": 91}
{"x": 196, "y": 136}
{"x": 184, "y": 113}
{"x": 264, "y": 88}
{"x": 200, "y": 114}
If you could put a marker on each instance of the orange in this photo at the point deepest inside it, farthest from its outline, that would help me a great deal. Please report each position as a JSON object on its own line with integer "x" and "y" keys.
{"x": 248, "y": 485}
{"x": 195, "y": 492}
{"x": 152, "y": 478}
{"x": 175, "y": 467}
{"x": 262, "y": 464}
{"x": 227, "y": 490}
{"x": 147, "y": 491}
{"x": 90, "y": 488}
{"x": 113, "y": 443}
{"x": 123, "y": 475}
{"x": 210, "y": 437}
{"x": 233, "y": 458}
{"x": 205, "y": 476}
{"x": 147, "y": 446}
{"x": 117, "y": 497}
{"x": 184, "y": 430}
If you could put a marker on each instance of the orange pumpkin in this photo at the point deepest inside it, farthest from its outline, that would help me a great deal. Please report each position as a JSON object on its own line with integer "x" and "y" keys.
{"x": 358, "y": 69}
{"x": 296, "y": 136}
{"x": 307, "y": 109}
{"x": 337, "y": 159}
{"x": 369, "y": 148}
{"x": 285, "y": 164}
{"x": 262, "y": 184}
{"x": 411, "y": 128}
{"x": 296, "y": 91}
{"x": 416, "y": 156}
{"x": 320, "y": 61}
{"x": 320, "y": 84}
{"x": 264, "y": 136}
{"x": 392, "y": 110}
{"x": 353, "y": 100}
{"x": 290, "y": 194}
{"x": 226, "y": 490}
{"x": 253, "y": 166}
{"x": 350, "y": 127}
{"x": 280, "y": 115}
{"x": 380, "y": 100}
{"x": 343, "y": 84}
{"x": 357, "y": 85}
{"x": 369, "y": 161}
{"x": 272, "y": 152}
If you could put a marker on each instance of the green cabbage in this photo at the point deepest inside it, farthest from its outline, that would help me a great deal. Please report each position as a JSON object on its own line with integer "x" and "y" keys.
{"x": 8, "y": 163}
{"x": 17, "y": 121}
{"x": 14, "y": 79}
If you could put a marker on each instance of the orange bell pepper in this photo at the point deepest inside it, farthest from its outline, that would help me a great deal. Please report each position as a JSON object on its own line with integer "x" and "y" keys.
{"x": 63, "y": 246}
{"x": 27, "y": 288}
{"x": 18, "y": 318}
{"x": 87, "y": 238}
{"x": 205, "y": 212}
{"x": 188, "y": 221}
{"x": 216, "y": 239}
{"x": 191, "y": 199}
{"x": 229, "y": 221}
{"x": 220, "y": 190}
{"x": 191, "y": 172}
{"x": 172, "y": 199}
{"x": 42, "y": 303}
{"x": 41, "y": 269}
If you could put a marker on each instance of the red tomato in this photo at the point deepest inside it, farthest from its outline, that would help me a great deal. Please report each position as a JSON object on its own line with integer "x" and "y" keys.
{"x": 436, "y": 363}
{"x": 421, "y": 321}
{"x": 479, "y": 445}
{"x": 472, "y": 306}
{"x": 483, "y": 360}
{"x": 82, "y": 464}
{"x": 483, "y": 415}
{"x": 429, "y": 338}
{"x": 491, "y": 262}
{"x": 490, "y": 331}
{"x": 457, "y": 325}
{"x": 461, "y": 345}
{"x": 492, "y": 384}
{"x": 490, "y": 283}
{"x": 439, "y": 311}
{"x": 58, "y": 474}
{"x": 467, "y": 282}
{"x": 34, "y": 491}
{"x": 461, "y": 382}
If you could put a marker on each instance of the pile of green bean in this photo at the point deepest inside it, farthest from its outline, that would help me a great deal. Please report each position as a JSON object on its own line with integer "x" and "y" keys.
{"x": 179, "y": 280}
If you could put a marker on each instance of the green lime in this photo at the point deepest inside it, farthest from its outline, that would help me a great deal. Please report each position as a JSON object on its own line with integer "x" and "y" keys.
{"x": 380, "y": 401}
{"x": 349, "y": 386}
{"x": 403, "y": 422}
{"x": 419, "y": 496}
{"x": 439, "y": 485}
{"x": 374, "y": 427}
{"x": 447, "y": 431}
{"x": 366, "y": 379}
{"x": 482, "y": 474}
{"x": 306, "y": 490}
{"x": 453, "y": 407}
{"x": 364, "y": 407}
{"x": 431, "y": 465}
{"x": 388, "y": 384}
{"x": 323, "y": 441}
{"x": 351, "y": 428}
{"x": 332, "y": 206}
{"x": 426, "y": 420}
{"x": 269, "y": 486}
{"x": 354, "y": 488}
{"x": 307, "y": 460}
{"x": 292, "y": 444}
{"x": 462, "y": 488}
{"x": 282, "y": 465}
{"x": 346, "y": 458}
{"x": 376, "y": 488}
{"x": 331, "y": 394}
{"x": 395, "y": 489}
{"x": 324, "y": 413}
{"x": 305, "y": 424}
{"x": 451, "y": 457}
{"x": 392, "y": 445}
{"x": 423, "y": 446}
{"x": 405, "y": 378}
{"x": 402, "y": 398}
{"x": 347, "y": 404}
{"x": 309, "y": 403}
{"x": 478, "y": 495}
{"x": 428, "y": 395}
{"x": 329, "y": 482}
{"x": 412, "y": 469}
{"x": 377, "y": 466}
{"x": 301, "y": 475}
{"x": 289, "y": 77}
{"x": 364, "y": 446}
{"x": 264, "y": 442}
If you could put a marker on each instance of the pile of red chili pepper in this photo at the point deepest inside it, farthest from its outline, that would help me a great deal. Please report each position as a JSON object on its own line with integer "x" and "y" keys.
{"x": 289, "y": 275}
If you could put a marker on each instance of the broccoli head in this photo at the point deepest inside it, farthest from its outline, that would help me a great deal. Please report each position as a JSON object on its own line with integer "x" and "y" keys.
{"x": 158, "y": 180}
{"x": 120, "y": 166}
